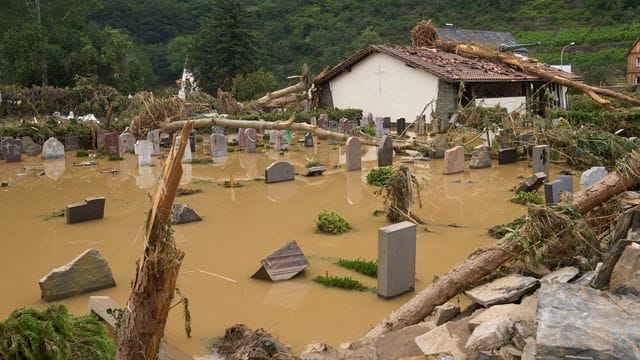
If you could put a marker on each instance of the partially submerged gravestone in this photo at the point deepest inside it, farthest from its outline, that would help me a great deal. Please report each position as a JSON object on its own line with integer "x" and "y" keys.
{"x": 401, "y": 124}
{"x": 503, "y": 290}
{"x": 533, "y": 183}
{"x": 308, "y": 140}
{"x": 507, "y": 156}
{"x": 87, "y": 272}
{"x": 552, "y": 192}
{"x": 480, "y": 157}
{"x": 581, "y": 322}
{"x": 92, "y": 208}
{"x": 186, "y": 157}
{"x": 385, "y": 151}
{"x": 182, "y": 214}
{"x": 353, "y": 154}
{"x": 278, "y": 171}
{"x": 453, "y": 161}
{"x": 52, "y": 149}
{"x": 252, "y": 139}
{"x": 11, "y": 150}
{"x": 540, "y": 159}
{"x": 396, "y": 259}
{"x": 127, "y": 143}
{"x": 314, "y": 170}
{"x": 29, "y": 147}
{"x": 283, "y": 264}
{"x": 154, "y": 137}
{"x": 218, "y": 145}
{"x": 144, "y": 150}
{"x": 323, "y": 121}
{"x": 112, "y": 144}
{"x": 592, "y": 176}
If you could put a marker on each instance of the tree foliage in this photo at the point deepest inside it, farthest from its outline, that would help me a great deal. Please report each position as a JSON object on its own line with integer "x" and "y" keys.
{"x": 253, "y": 85}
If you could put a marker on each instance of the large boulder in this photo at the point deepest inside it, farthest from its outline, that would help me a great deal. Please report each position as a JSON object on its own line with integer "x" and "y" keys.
{"x": 504, "y": 290}
{"x": 87, "y": 272}
{"x": 29, "y": 147}
{"x": 523, "y": 313}
{"x": 182, "y": 214}
{"x": 627, "y": 268}
{"x": 578, "y": 321}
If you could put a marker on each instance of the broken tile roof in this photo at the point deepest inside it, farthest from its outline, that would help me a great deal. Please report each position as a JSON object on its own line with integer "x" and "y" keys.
{"x": 445, "y": 65}
{"x": 479, "y": 37}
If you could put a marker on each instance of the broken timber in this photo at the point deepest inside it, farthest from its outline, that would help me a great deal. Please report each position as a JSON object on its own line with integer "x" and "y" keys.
{"x": 483, "y": 262}
{"x": 283, "y": 264}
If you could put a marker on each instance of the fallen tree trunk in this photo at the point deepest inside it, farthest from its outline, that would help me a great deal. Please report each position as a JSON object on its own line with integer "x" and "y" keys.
{"x": 533, "y": 67}
{"x": 483, "y": 262}
{"x": 145, "y": 316}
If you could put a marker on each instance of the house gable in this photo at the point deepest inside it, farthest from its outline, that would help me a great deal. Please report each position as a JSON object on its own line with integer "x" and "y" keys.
{"x": 633, "y": 63}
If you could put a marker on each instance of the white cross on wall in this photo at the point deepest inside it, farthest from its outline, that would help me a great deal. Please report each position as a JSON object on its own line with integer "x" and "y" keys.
{"x": 379, "y": 73}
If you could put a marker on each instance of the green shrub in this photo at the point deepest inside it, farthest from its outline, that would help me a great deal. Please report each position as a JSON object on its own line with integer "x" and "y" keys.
{"x": 331, "y": 223}
{"x": 369, "y": 130}
{"x": 380, "y": 176}
{"x": 54, "y": 334}
{"x": 313, "y": 164}
{"x": 364, "y": 267}
{"x": 253, "y": 85}
{"x": 342, "y": 282}
{"x": 82, "y": 153}
{"x": 525, "y": 198}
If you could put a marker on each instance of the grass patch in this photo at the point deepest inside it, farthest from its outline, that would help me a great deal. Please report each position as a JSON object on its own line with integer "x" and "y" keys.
{"x": 526, "y": 198}
{"x": 342, "y": 282}
{"x": 329, "y": 222}
{"x": 313, "y": 164}
{"x": 380, "y": 176}
{"x": 54, "y": 215}
{"x": 201, "y": 161}
{"x": 369, "y": 130}
{"x": 82, "y": 153}
{"x": 227, "y": 184}
{"x": 187, "y": 192}
{"x": 115, "y": 158}
{"x": 203, "y": 181}
{"x": 364, "y": 267}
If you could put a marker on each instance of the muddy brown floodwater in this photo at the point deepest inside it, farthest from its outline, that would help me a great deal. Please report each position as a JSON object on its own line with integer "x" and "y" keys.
{"x": 241, "y": 226}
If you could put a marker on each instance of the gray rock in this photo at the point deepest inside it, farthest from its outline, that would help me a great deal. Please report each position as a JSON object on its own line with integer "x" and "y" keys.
{"x": 592, "y": 176}
{"x": 564, "y": 275}
{"x": 523, "y": 313}
{"x": 578, "y": 321}
{"x": 443, "y": 313}
{"x": 480, "y": 157}
{"x": 503, "y": 290}
{"x": 29, "y": 147}
{"x": 529, "y": 351}
{"x": 442, "y": 340}
{"x": 319, "y": 351}
{"x": 584, "y": 279}
{"x": 491, "y": 335}
{"x": 87, "y": 272}
{"x": 182, "y": 214}
{"x": 627, "y": 268}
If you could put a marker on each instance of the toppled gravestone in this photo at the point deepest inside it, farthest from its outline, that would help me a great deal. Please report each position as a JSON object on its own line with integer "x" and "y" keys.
{"x": 533, "y": 183}
{"x": 503, "y": 290}
{"x": 87, "y": 272}
{"x": 576, "y": 321}
{"x": 182, "y": 214}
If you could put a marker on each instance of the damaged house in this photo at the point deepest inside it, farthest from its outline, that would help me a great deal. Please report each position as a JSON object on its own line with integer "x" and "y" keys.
{"x": 398, "y": 81}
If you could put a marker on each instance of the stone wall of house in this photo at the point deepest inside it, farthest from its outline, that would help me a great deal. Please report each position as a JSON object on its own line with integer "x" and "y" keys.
{"x": 447, "y": 100}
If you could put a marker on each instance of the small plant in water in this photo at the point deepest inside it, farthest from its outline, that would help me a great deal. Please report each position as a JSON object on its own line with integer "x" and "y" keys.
{"x": 342, "y": 282}
{"x": 227, "y": 184}
{"x": 525, "y": 198}
{"x": 364, "y": 267}
{"x": 329, "y": 222}
{"x": 313, "y": 164}
{"x": 82, "y": 153}
{"x": 380, "y": 176}
{"x": 55, "y": 214}
{"x": 186, "y": 192}
{"x": 201, "y": 161}
{"x": 203, "y": 181}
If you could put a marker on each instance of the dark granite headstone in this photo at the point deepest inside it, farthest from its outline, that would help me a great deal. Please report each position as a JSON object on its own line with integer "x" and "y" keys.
{"x": 308, "y": 140}
{"x": 112, "y": 143}
{"x": 11, "y": 150}
{"x": 71, "y": 142}
{"x": 192, "y": 141}
{"x": 278, "y": 171}
{"x": 507, "y": 156}
{"x": 90, "y": 209}
{"x": 533, "y": 183}
{"x": 401, "y": 124}
{"x": 385, "y": 151}
{"x": 386, "y": 122}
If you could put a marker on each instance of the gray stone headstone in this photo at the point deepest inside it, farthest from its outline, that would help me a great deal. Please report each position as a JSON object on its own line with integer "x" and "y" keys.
{"x": 144, "y": 150}
{"x": 480, "y": 157}
{"x": 323, "y": 121}
{"x": 343, "y": 125}
{"x": 154, "y": 137}
{"x": 11, "y": 150}
{"x": 87, "y": 272}
{"x": 192, "y": 141}
{"x": 127, "y": 143}
{"x": 396, "y": 259}
{"x": 29, "y": 147}
{"x": 273, "y": 136}
{"x": 218, "y": 145}
{"x": 52, "y": 149}
{"x": 242, "y": 137}
{"x": 282, "y": 141}
{"x": 335, "y": 127}
{"x": 217, "y": 130}
{"x": 540, "y": 159}
{"x": 187, "y": 156}
{"x": 112, "y": 143}
{"x": 278, "y": 171}
{"x": 453, "y": 160}
{"x": 71, "y": 142}
{"x": 353, "y": 154}
{"x": 507, "y": 156}
{"x": 421, "y": 125}
{"x": 592, "y": 176}
{"x": 400, "y": 125}
{"x": 552, "y": 192}
{"x": 385, "y": 151}
{"x": 379, "y": 127}
{"x": 386, "y": 122}
{"x": 252, "y": 138}
{"x": 90, "y": 209}
{"x": 308, "y": 140}
{"x": 566, "y": 183}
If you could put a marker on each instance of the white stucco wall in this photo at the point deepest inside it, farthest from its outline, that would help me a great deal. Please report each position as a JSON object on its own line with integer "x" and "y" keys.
{"x": 400, "y": 91}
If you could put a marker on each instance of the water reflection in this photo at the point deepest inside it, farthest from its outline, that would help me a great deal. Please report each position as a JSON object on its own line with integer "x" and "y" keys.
{"x": 280, "y": 192}
{"x": 145, "y": 178}
{"x": 187, "y": 170}
{"x": 288, "y": 294}
{"x": 54, "y": 168}
{"x": 354, "y": 186}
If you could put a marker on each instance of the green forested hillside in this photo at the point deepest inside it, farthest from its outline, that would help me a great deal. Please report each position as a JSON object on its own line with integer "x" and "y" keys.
{"x": 134, "y": 44}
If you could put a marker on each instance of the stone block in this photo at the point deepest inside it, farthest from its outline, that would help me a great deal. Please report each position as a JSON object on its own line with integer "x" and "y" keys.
{"x": 353, "y": 154}
{"x": 540, "y": 159}
{"x": 564, "y": 275}
{"x": 453, "y": 161}
{"x": 396, "y": 259}
{"x": 503, "y": 290}
{"x": 491, "y": 335}
{"x": 552, "y": 192}
{"x": 445, "y": 312}
{"x": 507, "y": 156}
{"x": 91, "y": 208}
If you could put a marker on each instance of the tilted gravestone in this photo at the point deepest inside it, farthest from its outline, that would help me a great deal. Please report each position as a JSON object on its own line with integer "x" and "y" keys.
{"x": 533, "y": 183}
{"x": 396, "y": 259}
{"x": 283, "y": 264}
{"x": 453, "y": 160}
{"x": 154, "y": 137}
{"x": 507, "y": 156}
{"x": 252, "y": 139}
{"x": 11, "y": 150}
{"x": 218, "y": 145}
{"x": 278, "y": 171}
{"x": 112, "y": 143}
{"x": 400, "y": 125}
{"x": 385, "y": 151}
{"x": 353, "y": 154}
{"x": 52, "y": 149}
{"x": 144, "y": 150}
{"x": 343, "y": 125}
{"x": 127, "y": 143}
{"x": 540, "y": 159}
{"x": 91, "y": 208}
{"x": 308, "y": 140}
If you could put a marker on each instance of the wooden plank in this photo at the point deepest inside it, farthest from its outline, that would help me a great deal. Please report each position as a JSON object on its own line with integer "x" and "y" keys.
{"x": 98, "y": 305}
{"x": 283, "y": 264}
